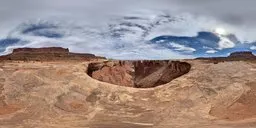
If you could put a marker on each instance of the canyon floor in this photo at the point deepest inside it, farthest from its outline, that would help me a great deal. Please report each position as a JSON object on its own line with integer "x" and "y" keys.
{"x": 61, "y": 95}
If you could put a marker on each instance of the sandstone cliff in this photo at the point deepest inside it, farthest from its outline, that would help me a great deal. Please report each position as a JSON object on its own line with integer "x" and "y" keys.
{"x": 139, "y": 74}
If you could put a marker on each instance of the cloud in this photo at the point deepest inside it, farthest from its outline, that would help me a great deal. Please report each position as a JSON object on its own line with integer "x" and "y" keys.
{"x": 79, "y": 38}
{"x": 182, "y": 48}
{"x": 222, "y": 10}
{"x": 7, "y": 42}
{"x": 121, "y": 28}
{"x": 225, "y": 43}
{"x": 253, "y": 47}
{"x": 211, "y": 51}
{"x": 206, "y": 13}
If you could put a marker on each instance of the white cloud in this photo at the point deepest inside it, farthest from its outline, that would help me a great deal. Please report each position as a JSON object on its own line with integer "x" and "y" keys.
{"x": 225, "y": 43}
{"x": 253, "y": 47}
{"x": 211, "y": 51}
{"x": 205, "y": 47}
{"x": 183, "y": 48}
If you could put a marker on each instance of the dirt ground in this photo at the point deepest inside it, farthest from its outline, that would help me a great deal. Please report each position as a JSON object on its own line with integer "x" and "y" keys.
{"x": 62, "y": 95}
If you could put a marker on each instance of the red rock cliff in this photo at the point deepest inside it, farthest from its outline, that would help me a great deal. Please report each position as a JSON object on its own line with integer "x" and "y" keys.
{"x": 139, "y": 74}
{"x": 246, "y": 54}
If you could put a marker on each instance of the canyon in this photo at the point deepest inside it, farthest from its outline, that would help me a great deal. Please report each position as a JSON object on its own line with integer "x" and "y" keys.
{"x": 138, "y": 74}
{"x": 52, "y": 88}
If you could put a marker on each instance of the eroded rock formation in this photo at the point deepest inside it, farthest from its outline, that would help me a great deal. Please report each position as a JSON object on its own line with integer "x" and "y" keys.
{"x": 245, "y": 54}
{"x": 60, "y": 94}
{"x": 47, "y": 54}
{"x": 139, "y": 74}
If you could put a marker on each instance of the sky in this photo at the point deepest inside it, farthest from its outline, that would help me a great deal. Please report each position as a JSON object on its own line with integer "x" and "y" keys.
{"x": 134, "y": 29}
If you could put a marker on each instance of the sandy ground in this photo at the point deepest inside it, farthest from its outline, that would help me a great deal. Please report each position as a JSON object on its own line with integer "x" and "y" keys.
{"x": 62, "y": 95}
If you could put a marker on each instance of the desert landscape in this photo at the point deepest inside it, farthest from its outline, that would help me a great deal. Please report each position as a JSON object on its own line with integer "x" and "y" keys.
{"x": 52, "y": 88}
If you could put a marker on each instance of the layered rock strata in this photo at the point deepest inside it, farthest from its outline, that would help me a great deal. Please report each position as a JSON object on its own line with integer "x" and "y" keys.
{"x": 138, "y": 74}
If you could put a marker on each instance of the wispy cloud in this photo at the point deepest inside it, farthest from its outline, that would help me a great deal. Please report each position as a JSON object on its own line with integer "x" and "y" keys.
{"x": 182, "y": 48}
{"x": 121, "y": 28}
{"x": 211, "y": 51}
{"x": 83, "y": 38}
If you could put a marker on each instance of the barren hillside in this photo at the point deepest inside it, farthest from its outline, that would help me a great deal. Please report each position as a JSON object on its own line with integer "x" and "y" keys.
{"x": 60, "y": 94}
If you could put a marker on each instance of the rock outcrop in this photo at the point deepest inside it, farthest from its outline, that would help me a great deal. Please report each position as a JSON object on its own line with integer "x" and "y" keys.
{"x": 235, "y": 56}
{"x": 47, "y": 54}
{"x": 245, "y": 54}
{"x": 138, "y": 74}
{"x": 41, "y": 50}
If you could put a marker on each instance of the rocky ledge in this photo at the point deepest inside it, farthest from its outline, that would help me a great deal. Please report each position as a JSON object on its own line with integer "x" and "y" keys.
{"x": 47, "y": 54}
{"x": 138, "y": 74}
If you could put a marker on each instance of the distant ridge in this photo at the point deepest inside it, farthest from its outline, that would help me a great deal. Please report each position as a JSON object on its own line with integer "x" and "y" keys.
{"x": 41, "y": 50}
{"x": 235, "y": 56}
{"x": 47, "y": 54}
